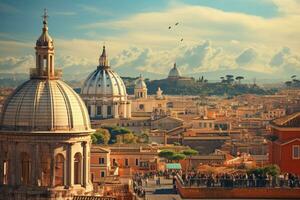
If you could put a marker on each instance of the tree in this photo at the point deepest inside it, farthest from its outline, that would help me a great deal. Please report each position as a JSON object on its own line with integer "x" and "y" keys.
{"x": 127, "y": 138}
{"x": 239, "y": 78}
{"x": 101, "y": 136}
{"x": 189, "y": 153}
{"x": 222, "y": 79}
{"x": 167, "y": 154}
{"x": 178, "y": 156}
{"x": 288, "y": 83}
{"x": 273, "y": 170}
{"x": 229, "y": 79}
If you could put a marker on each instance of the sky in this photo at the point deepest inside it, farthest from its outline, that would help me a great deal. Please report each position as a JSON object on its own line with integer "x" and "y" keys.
{"x": 252, "y": 38}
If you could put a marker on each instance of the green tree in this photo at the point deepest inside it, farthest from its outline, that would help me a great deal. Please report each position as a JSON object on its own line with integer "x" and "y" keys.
{"x": 101, "y": 136}
{"x": 167, "y": 154}
{"x": 178, "y": 156}
{"x": 273, "y": 170}
{"x": 190, "y": 152}
{"x": 128, "y": 138}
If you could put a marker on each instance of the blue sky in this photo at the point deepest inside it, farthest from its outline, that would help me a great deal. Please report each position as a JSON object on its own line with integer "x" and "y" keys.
{"x": 247, "y": 36}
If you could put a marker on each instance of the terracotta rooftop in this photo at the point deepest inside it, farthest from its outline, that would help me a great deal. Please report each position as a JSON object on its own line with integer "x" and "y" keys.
{"x": 292, "y": 120}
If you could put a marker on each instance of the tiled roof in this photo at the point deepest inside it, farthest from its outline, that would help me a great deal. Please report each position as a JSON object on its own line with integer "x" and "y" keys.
{"x": 284, "y": 121}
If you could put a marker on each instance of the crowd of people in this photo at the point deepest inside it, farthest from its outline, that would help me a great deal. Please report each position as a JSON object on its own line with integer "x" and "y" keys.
{"x": 240, "y": 180}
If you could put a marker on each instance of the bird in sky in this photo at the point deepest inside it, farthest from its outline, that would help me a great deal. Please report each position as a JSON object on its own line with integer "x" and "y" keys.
{"x": 176, "y": 23}
{"x": 169, "y": 27}
{"x": 181, "y": 39}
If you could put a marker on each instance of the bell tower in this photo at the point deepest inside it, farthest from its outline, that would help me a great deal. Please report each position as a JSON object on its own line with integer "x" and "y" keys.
{"x": 44, "y": 54}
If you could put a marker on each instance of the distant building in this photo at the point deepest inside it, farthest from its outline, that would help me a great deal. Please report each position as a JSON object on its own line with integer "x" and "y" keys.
{"x": 175, "y": 75}
{"x": 147, "y": 106}
{"x": 284, "y": 145}
{"x": 104, "y": 92}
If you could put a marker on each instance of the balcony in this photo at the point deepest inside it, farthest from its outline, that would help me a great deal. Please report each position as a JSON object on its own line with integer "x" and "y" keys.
{"x": 34, "y": 73}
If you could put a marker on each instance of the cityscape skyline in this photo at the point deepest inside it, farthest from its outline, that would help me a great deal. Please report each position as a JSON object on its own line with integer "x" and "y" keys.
{"x": 218, "y": 37}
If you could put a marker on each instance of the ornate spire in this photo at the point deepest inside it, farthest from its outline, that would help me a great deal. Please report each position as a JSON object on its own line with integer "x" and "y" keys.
{"x": 103, "y": 62}
{"x": 45, "y": 39}
{"x": 45, "y": 17}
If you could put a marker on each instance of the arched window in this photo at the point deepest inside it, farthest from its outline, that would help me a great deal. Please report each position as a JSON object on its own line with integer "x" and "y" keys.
{"x": 77, "y": 168}
{"x": 46, "y": 168}
{"x": 59, "y": 170}
{"x": 5, "y": 172}
{"x": 25, "y": 169}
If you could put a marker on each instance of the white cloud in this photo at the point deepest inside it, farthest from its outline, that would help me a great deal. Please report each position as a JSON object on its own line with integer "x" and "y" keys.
{"x": 16, "y": 64}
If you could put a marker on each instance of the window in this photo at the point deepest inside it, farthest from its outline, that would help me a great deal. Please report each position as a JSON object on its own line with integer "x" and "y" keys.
{"x": 89, "y": 110}
{"x": 59, "y": 170}
{"x": 137, "y": 162}
{"x": 141, "y": 106}
{"x": 5, "y": 172}
{"x": 108, "y": 110}
{"x": 102, "y": 174}
{"x": 45, "y": 63}
{"x": 99, "y": 110}
{"x": 92, "y": 177}
{"x": 101, "y": 161}
{"x": 51, "y": 64}
{"x": 77, "y": 168}
{"x": 126, "y": 162}
{"x": 296, "y": 151}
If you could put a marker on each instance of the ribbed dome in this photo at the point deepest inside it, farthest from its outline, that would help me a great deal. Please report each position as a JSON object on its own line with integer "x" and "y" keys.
{"x": 104, "y": 82}
{"x": 174, "y": 72}
{"x": 140, "y": 83}
{"x": 45, "y": 105}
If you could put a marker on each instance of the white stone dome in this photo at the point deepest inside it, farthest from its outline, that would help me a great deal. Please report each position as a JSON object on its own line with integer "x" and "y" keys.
{"x": 104, "y": 82}
{"x": 174, "y": 72}
{"x": 140, "y": 83}
{"x": 45, "y": 105}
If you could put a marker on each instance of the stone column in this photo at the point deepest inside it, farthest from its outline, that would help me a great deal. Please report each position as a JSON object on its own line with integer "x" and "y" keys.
{"x": 15, "y": 156}
{"x": 70, "y": 165}
{"x": 1, "y": 163}
{"x": 124, "y": 109}
{"x": 128, "y": 105}
{"x": 93, "y": 110}
{"x": 116, "y": 110}
{"x": 85, "y": 164}
{"x": 52, "y": 166}
{"x": 104, "y": 111}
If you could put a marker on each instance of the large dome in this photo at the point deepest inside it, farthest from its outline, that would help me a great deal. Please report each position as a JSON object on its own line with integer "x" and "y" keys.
{"x": 45, "y": 105}
{"x": 104, "y": 82}
{"x": 174, "y": 72}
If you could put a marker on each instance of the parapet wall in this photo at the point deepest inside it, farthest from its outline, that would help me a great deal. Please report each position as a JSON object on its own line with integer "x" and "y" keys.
{"x": 236, "y": 193}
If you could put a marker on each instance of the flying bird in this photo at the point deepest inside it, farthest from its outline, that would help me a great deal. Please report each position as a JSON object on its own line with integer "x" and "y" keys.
{"x": 169, "y": 27}
{"x": 176, "y": 23}
{"x": 181, "y": 39}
